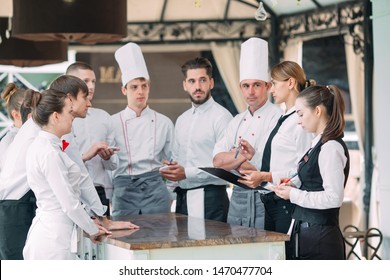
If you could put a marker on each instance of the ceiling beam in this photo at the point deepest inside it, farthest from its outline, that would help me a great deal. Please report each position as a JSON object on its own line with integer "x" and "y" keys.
{"x": 164, "y": 7}
{"x": 227, "y": 9}
{"x": 316, "y": 3}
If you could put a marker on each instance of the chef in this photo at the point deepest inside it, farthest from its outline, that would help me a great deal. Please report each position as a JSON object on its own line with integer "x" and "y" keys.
{"x": 145, "y": 139}
{"x": 252, "y": 125}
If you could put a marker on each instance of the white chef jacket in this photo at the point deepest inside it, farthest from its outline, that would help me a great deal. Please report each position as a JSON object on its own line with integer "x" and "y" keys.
{"x": 331, "y": 162}
{"x": 95, "y": 127}
{"x": 245, "y": 205}
{"x": 5, "y": 142}
{"x": 144, "y": 141}
{"x": 252, "y": 128}
{"x": 54, "y": 179}
{"x": 288, "y": 146}
{"x": 13, "y": 177}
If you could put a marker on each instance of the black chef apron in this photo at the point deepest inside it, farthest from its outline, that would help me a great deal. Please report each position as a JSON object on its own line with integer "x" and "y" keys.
{"x": 15, "y": 221}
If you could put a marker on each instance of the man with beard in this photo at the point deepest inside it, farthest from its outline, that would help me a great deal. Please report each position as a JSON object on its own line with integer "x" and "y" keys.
{"x": 196, "y": 132}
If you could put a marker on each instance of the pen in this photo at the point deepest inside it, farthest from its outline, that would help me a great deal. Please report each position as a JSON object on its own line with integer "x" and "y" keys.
{"x": 237, "y": 151}
{"x": 292, "y": 176}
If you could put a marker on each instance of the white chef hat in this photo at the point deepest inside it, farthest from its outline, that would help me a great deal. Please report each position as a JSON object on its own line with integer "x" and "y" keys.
{"x": 131, "y": 62}
{"x": 254, "y": 60}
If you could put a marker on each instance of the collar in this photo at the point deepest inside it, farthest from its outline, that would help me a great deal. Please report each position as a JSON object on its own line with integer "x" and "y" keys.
{"x": 130, "y": 114}
{"x": 316, "y": 140}
{"x": 260, "y": 110}
{"x": 203, "y": 107}
{"x": 292, "y": 109}
{"x": 53, "y": 139}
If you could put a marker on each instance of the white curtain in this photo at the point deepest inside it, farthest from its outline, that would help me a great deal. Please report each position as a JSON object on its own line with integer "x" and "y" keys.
{"x": 355, "y": 67}
{"x": 293, "y": 50}
{"x": 227, "y": 58}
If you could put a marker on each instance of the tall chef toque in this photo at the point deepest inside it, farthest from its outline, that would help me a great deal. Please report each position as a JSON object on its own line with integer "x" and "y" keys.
{"x": 254, "y": 60}
{"x": 131, "y": 62}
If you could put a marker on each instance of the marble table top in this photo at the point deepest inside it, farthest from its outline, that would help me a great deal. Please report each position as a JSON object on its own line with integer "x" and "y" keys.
{"x": 173, "y": 230}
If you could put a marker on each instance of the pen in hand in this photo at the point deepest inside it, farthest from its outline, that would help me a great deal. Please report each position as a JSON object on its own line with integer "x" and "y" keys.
{"x": 237, "y": 151}
{"x": 289, "y": 179}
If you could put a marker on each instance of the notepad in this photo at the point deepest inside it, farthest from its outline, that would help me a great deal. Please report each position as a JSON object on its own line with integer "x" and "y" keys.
{"x": 232, "y": 177}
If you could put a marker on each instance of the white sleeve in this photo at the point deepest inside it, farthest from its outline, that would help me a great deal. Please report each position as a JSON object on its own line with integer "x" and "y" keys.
{"x": 88, "y": 195}
{"x": 331, "y": 161}
{"x": 56, "y": 174}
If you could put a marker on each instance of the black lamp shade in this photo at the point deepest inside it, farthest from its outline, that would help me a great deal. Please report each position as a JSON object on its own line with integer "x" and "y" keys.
{"x": 24, "y": 53}
{"x": 82, "y": 21}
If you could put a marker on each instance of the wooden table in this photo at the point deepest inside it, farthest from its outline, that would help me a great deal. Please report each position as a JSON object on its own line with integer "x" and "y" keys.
{"x": 173, "y": 236}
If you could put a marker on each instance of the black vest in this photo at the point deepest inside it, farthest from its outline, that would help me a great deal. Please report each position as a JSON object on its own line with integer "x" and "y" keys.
{"x": 309, "y": 174}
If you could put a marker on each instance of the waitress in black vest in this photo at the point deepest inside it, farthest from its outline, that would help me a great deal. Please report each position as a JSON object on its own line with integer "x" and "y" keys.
{"x": 283, "y": 149}
{"x": 323, "y": 172}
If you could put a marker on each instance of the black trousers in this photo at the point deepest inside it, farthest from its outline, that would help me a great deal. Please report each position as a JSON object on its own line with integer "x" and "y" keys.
{"x": 278, "y": 217}
{"x": 15, "y": 220}
{"x": 319, "y": 242}
{"x": 216, "y": 202}
{"x": 103, "y": 198}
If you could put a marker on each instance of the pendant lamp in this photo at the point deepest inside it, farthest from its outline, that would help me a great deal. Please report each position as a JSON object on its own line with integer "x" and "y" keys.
{"x": 24, "y": 53}
{"x": 81, "y": 21}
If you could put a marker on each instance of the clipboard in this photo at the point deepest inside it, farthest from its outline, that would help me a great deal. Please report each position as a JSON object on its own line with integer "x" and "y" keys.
{"x": 231, "y": 177}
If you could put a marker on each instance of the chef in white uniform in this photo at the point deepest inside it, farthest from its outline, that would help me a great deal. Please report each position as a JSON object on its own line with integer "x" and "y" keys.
{"x": 252, "y": 125}
{"x": 54, "y": 179}
{"x": 196, "y": 131}
{"x": 95, "y": 137}
{"x": 145, "y": 139}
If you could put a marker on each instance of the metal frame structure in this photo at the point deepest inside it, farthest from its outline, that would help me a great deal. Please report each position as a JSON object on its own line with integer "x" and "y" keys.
{"x": 277, "y": 29}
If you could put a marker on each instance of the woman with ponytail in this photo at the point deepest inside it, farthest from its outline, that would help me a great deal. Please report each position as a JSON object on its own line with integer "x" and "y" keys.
{"x": 323, "y": 173}
{"x": 13, "y": 99}
{"x": 54, "y": 178}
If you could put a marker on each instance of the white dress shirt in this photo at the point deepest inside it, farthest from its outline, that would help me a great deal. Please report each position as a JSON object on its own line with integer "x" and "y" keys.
{"x": 54, "y": 179}
{"x": 13, "y": 177}
{"x": 331, "y": 162}
{"x": 288, "y": 146}
{"x": 144, "y": 141}
{"x": 252, "y": 128}
{"x": 5, "y": 142}
{"x": 95, "y": 127}
{"x": 196, "y": 132}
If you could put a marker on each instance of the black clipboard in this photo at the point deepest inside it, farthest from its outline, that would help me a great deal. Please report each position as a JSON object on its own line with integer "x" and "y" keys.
{"x": 230, "y": 177}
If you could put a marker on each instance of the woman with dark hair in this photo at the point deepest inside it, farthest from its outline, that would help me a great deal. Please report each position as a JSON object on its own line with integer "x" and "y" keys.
{"x": 54, "y": 179}
{"x": 323, "y": 172}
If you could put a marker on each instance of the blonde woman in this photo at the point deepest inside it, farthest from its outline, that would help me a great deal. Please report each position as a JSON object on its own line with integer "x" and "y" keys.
{"x": 13, "y": 99}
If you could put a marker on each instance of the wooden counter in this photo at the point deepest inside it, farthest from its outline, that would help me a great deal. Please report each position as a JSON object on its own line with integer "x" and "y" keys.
{"x": 175, "y": 236}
